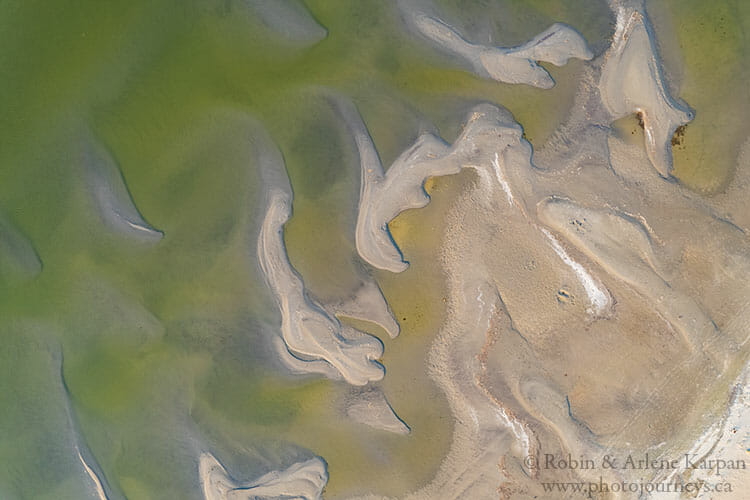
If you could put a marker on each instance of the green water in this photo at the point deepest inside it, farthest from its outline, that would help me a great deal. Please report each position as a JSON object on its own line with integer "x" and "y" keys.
{"x": 711, "y": 50}
{"x": 163, "y": 346}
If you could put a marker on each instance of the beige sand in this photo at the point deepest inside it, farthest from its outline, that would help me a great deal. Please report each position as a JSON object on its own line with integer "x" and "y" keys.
{"x": 384, "y": 195}
{"x": 527, "y": 369}
{"x": 371, "y": 408}
{"x": 632, "y": 82}
{"x": 314, "y": 340}
{"x": 302, "y": 481}
{"x": 595, "y": 308}
{"x": 367, "y": 304}
{"x": 517, "y": 65}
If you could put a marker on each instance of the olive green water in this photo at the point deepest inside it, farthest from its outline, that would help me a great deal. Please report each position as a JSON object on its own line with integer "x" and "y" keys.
{"x": 164, "y": 346}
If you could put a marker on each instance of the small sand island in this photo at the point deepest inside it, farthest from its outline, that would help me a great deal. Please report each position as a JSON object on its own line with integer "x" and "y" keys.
{"x": 556, "y": 45}
{"x": 303, "y": 481}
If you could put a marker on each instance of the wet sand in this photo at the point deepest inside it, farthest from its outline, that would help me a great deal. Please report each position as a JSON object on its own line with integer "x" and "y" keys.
{"x": 520, "y": 323}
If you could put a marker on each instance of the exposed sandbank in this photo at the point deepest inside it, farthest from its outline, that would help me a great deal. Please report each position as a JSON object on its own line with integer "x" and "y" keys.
{"x": 370, "y": 407}
{"x": 632, "y": 82}
{"x": 556, "y": 45}
{"x": 384, "y": 195}
{"x": 367, "y": 304}
{"x": 499, "y": 356}
{"x": 314, "y": 340}
{"x": 588, "y": 303}
{"x": 98, "y": 484}
{"x": 303, "y": 480}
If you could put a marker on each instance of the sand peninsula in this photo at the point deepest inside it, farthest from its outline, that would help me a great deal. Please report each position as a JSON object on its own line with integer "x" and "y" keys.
{"x": 632, "y": 82}
{"x": 110, "y": 193}
{"x": 303, "y": 481}
{"x": 590, "y": 320}
{"x": 314, "y": 340}
{"x": 555, "y": 45}
{"x": 383, "y": 196}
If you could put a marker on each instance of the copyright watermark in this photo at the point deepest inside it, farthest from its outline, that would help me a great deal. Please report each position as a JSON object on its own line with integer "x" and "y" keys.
{"x": 632, "y": 462}
{"x": 589, "y": 489}
{"x": 687, "y": 461}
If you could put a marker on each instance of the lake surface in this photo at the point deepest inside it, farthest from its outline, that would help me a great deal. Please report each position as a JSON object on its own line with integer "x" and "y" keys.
{"x": 164, "y": 348}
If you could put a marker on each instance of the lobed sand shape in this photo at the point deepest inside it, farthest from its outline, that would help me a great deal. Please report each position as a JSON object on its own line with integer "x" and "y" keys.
{"x": 527, "y": 373}
{"x": 370, "y": 407}
{"x": 631, "y": 82}
{"x": 111, "y": 195}
{"x": 621, "y": 244}
{"x": 314, "y": 340}
{"x": 556, "y": 45}
{"x": 367, "y": 304}
{"x": 593, "y": 307}
{"x": 301, "y": 481}
{"x": 290, "y": 19}
{"x": 383, "y": 195}
{"x": 602, "y": 310}
{"x": 18, "y": 259}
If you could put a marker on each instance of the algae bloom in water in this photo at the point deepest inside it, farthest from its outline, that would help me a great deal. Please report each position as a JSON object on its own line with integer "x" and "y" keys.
{"x": 363, "y": 249}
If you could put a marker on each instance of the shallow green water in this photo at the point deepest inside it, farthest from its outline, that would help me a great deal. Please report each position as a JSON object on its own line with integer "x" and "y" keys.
{"x": 162, "y": 346}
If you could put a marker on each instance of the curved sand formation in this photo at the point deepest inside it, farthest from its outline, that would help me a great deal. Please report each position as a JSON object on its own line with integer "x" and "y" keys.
{"x": 622, "y": 245}
{"x": 111, "y": 195}
{"x": 627, "y": 79}
{"x": 516, "y": 359}
{"x": 632, "y": 82}
{"x": 555, "y": 45}
{"x": 384, "y": 195}
{"x": 18, "y": 259}
{"x": 315, "y": 340}
{"x": 479, "y": 317}
{"x": 302, "y": 481}
{"x": 98, "y": 484}
{"x": 290, "y": 19}
{"x": 51, "y": 458}
{"x": 367, "y": 304}
{"x": 524, "y": 362}
{"x": 371, "y": 408}
{"x": 598, "y": 296}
